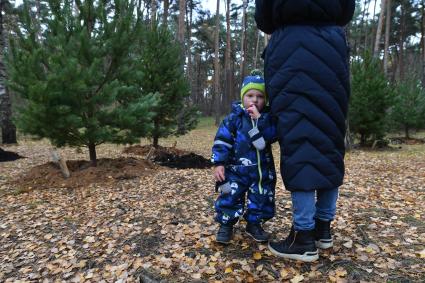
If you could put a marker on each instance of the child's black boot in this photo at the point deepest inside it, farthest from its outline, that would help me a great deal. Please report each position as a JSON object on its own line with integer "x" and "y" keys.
{"x": 299, "y": 245}
{"x": 224, "y": 233}
{"x": 323, "y": 234}
{"x": 256, "y": 231}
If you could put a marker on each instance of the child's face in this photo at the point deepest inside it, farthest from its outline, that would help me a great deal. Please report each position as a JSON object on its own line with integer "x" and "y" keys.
{"x": 254, "y": 97}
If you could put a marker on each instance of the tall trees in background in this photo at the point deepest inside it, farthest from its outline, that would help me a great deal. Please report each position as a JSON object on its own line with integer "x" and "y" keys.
{"x": 218, "y": 50}
{"x": 8, "y": 129}
{"x": 398, "y": 50}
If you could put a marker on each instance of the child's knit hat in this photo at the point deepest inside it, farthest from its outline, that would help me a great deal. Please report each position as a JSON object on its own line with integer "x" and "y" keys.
{"x": 253, "y": 82}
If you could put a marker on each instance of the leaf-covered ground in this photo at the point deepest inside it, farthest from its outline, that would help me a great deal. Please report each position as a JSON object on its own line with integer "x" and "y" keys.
{"x": 160, "y": 226}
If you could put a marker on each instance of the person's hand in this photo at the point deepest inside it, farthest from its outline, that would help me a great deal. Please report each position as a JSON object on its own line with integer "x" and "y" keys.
{"x": 219, "y": 173}
{"x": 253, "y": 112}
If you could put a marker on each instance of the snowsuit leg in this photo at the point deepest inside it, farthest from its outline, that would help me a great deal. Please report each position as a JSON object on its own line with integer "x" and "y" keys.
{"x": 261, "y": 203}
{"x": 229, "y": 207}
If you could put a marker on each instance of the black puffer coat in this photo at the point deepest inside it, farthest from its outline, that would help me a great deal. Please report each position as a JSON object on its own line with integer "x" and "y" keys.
{"x": 307, "y": 80}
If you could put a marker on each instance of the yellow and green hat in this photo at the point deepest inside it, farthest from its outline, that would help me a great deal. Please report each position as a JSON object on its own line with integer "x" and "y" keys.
{"x": 253, "y": 82}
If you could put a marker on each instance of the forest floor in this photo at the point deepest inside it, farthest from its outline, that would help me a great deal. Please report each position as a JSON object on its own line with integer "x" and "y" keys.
{"x": 142, "y": 221}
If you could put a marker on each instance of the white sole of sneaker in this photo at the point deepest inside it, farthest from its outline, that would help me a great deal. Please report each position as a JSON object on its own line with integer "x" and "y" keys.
{"x": 306, "y": 257}
{"x": 324, "y": 244}
{"x": 258, "y": 241}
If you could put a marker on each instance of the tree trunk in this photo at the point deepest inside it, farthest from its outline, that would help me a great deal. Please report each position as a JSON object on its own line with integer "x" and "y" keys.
{"x": 189, "y": 45}
{"x": 217, "y": 66}
{"x": 406, "y": 132}
{"x": 379, "y": 29}
{"x": 347, "y": 140}
{"x": 165, "y": 15}
{"x": 229, "y": 82}
{"x": 401, "y": 43}
{"x": 387, "y": 37}
{"x": 181, "y": 25}
{"x": 362, "y": 139}
{"x": 243, "y": 41}
{"x": 423, "y": 42}
{"x": 361, "y": 27}
{"x": 8, "y": 129}
{"x": 154, "y": 9}
{"x": 257, "y": 45}
{"x": 92, "y": 153}
{"x": 373, "y": 27}
{"x": 155, "y": 141}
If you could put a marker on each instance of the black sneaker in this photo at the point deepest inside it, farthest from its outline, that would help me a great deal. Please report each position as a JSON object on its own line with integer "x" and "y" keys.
{"x": 299, "y": 245}
{"x": 224, "y": 234}
{"x": 323, "y": 234}
{"x": 256, "y": 231}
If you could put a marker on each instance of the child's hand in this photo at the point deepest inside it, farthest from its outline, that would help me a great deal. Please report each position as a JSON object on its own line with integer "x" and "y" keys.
{"x": 253, "y": 112}
{"x": 219, "y": 173}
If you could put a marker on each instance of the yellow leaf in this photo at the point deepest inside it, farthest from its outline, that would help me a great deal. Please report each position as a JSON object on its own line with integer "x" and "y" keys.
{"x": 297, "y": 278}
{"x": 228, "y": 270}
{"x": 369, "y": 250}
{"x": 257, "y": 256}
{"x": 422, "y": 253}
{"x": 284, "y": 273}
{"x": 341, "y": 272}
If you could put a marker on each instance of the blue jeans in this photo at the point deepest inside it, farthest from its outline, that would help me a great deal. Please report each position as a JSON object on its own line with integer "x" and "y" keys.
{"x": 305, "y": 207}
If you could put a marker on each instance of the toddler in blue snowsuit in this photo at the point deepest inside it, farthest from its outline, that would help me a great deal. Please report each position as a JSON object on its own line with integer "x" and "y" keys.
{"x": 244, "y": 164}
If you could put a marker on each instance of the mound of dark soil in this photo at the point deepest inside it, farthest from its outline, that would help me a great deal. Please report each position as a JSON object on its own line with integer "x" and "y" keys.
{"x": 82, "y": 174}
{"x": 8, "y": 156}
{"x": 170, "y": 156}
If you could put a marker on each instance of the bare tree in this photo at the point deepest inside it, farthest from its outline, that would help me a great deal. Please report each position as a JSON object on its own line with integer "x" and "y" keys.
{"x": 379, "y": 29}
{"x": 181, "y": 25}
{"x": 401, "y": 42}
{"x": 165, "y": 15}
{"x": 387, "y": 37}
{"x": 227, "y": 59}
{"x": 423, "y": 41}
{"x": 243, "y": 40}
{"x": 217, "y": 66}
{"x": 154, "y": 9}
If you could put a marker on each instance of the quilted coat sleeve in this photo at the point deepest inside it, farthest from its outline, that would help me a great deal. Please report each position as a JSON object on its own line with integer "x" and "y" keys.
{"x": 223, "y": 142}
{"x": 264, "y": 15}
{"x": 269, "y": 130}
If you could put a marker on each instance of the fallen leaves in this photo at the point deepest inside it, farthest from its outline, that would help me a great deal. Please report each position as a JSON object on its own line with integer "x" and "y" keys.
{"x": 257, "y": 256}
{"x": 163, "y": 224}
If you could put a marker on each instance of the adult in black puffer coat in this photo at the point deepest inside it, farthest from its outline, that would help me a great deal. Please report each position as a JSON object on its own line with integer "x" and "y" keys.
{"x": 307, "y": 80}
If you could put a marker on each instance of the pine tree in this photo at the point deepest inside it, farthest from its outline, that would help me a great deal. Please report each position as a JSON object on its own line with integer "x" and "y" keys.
{"x": 409, "y": 105}
{"x": 8, "y": 129}
{"x": 370, "y": 99}
{"x": 81, "y": 79}
{"x": 162, "y": 72}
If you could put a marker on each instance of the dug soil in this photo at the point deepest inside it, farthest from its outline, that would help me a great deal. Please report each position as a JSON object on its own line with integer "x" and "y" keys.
{"x": 170, "y": 156}
{"x": 82, "y": 174}
{"x": 8, "y": 156}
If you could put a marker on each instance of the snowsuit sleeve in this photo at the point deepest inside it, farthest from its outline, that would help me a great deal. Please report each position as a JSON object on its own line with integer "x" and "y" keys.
{"x": 223, "y": 142}
{"x": 264, "y": 133}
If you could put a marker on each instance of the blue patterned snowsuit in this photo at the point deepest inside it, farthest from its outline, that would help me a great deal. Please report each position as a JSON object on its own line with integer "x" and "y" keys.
{"x": 247, "y": 169}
